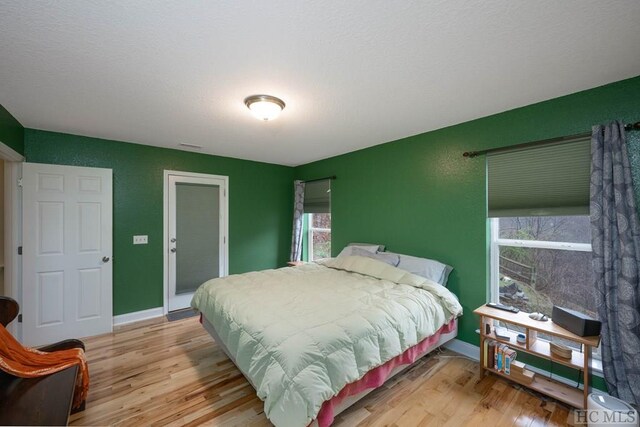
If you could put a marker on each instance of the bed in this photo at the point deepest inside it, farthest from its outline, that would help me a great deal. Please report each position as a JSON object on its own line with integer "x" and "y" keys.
{"x": 313, "y": 339}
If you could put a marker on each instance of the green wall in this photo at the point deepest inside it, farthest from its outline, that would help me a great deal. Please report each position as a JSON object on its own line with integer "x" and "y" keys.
{"x": 260, "y": 207}
{"x": 419, "y": 196}
{"x": 11, "y": 131}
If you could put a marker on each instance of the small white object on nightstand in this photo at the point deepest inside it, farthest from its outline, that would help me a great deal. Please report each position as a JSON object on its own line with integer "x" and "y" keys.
{"x": 538, "y": 316}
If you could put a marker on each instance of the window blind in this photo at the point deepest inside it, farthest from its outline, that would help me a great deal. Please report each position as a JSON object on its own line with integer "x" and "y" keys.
{"x": 317, "y": 196}
{"x": 540, "y": 181}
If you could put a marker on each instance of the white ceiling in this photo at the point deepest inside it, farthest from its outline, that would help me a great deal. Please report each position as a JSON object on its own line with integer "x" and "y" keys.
{"x": 353, "y": 73}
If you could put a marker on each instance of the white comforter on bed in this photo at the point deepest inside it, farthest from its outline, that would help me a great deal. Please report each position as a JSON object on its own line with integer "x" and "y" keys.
{"x": 301, "y": 334}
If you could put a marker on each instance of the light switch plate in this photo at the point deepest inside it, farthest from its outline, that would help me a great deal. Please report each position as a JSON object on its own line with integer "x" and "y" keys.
{"x": 140, "y": 240}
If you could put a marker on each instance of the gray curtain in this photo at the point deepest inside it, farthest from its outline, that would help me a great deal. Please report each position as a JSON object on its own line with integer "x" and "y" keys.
{"x": 298, "y": 210}
{"x": 616, "y": 260}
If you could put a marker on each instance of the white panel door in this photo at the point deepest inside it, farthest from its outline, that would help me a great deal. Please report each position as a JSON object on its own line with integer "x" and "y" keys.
{"x": 67, "y": 251}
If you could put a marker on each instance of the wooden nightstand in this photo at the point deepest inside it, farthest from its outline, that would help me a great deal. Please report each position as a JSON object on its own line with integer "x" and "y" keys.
{"x": 538, "y": 347}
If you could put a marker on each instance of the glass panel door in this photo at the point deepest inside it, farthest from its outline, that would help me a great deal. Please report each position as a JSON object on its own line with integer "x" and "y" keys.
{"x": 197, "y": 209}
{"x": 197, "y": 235}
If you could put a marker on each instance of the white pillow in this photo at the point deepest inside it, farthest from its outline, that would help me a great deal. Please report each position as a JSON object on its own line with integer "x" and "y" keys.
{"x": 424, "y": 267}
{"x": 348, "y": 250}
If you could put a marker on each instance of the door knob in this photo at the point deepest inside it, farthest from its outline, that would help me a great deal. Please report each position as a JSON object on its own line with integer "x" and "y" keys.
{"x": 173, "y": 249}
{"x": 105, "y": 259}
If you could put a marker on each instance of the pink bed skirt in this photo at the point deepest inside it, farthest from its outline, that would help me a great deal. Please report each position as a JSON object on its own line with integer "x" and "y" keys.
{"x": 377, "y": 376}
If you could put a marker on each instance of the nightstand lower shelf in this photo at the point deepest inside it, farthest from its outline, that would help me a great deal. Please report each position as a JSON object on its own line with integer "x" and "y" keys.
{"x": 562, "y": 392}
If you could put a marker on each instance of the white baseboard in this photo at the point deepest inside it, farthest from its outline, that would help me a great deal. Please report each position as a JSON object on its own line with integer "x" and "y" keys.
{"x": 473, "y": 352}
{"x": 136, "y": 316}
{"x": 464, "y": 348}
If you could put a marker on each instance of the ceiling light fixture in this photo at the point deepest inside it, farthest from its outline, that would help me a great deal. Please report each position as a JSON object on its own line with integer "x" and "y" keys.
{"x": 264, "y": 107}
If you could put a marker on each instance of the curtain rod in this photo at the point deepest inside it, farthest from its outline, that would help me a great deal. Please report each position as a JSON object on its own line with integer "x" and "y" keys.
{"x": 332, "y": 177}
{"x": 627, "y": 127}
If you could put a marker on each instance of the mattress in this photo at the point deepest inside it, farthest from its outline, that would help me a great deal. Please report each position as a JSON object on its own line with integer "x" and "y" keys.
{"x": 301, "y": 334}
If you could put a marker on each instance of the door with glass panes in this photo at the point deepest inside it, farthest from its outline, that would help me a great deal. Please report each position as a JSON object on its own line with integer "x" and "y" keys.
{"x": 197, "y": 233}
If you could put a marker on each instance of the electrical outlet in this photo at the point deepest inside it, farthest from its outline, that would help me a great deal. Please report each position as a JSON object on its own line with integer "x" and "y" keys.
{"x": 140, "y": 240}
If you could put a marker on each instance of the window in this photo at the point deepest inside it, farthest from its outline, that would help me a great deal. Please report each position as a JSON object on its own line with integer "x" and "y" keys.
{"x": 541, "y": 261}
{"x": 317, "y": 208}
{"x": 538, "y": 205}
{"x": 319, "y": 235}
{"x": 538, "y": 202}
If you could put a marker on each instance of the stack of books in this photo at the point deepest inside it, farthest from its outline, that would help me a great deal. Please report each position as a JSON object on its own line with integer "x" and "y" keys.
{"x": 521, "y": 373}
{"x": 500, "y": 357}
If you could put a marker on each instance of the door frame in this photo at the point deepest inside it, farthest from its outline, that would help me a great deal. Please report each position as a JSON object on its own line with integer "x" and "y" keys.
{"x": 12, "y": 229}
{"x": 224, "y": 207}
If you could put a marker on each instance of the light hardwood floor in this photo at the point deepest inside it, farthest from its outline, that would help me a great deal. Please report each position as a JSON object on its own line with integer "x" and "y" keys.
{"x": 172, "y": 373}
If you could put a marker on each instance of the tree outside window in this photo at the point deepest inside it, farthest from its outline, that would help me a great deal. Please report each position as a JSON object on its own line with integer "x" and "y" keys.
{"x": 319, "y": 235}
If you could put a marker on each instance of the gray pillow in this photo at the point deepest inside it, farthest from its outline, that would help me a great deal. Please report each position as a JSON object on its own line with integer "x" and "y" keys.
{"x": 391, "y": 259}
{"x": 424, "y": 267}
{"x": 380, "y": 247}
{"x": 348, "y": 250}
{"x": 445, "y": 275}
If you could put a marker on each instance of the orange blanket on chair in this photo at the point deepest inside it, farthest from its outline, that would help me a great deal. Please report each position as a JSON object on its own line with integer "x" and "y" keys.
{"x": 25, "y": 362}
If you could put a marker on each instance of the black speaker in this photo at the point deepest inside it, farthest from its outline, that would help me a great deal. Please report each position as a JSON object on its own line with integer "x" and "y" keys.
{"x": 576, "y": 322}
